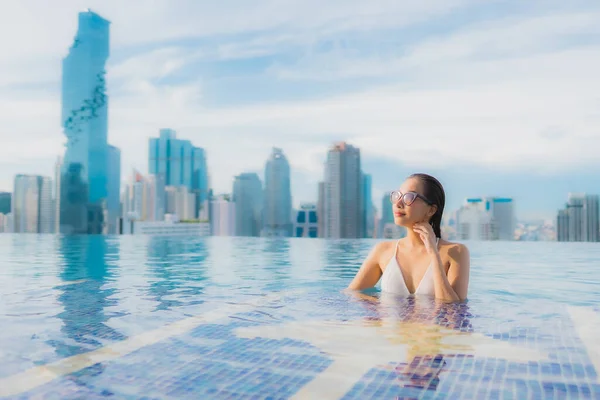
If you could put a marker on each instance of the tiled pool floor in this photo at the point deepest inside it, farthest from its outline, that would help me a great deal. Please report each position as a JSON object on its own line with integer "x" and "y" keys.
{"x": 316, "y": 345}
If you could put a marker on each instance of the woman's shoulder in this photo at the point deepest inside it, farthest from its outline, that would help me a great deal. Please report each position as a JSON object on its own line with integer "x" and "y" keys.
{"x": 384, "y": 246}
{"x": 453, "y": 249}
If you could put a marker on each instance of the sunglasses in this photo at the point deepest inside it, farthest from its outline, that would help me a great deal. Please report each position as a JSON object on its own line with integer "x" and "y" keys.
{"x": 407, "y": 198}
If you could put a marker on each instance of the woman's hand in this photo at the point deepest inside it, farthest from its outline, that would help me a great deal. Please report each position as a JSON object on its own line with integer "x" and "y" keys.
{"x": 425, "y": 231}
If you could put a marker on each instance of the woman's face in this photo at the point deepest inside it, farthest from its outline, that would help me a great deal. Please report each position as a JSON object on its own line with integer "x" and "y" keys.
{"x": 410, "y": 205}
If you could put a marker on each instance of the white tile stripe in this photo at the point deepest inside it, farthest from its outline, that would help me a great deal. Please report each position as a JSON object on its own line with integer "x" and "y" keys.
{"x": 37, "y": 376}
{"x": 587, "y": 325}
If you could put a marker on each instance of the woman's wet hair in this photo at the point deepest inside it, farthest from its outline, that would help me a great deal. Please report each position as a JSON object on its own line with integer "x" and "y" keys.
{"x": 434, "y": 192}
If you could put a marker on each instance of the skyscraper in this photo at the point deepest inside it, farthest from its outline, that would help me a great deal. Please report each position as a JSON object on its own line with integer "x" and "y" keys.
{"x": 321, "y": 210}
{"x": 57, "y": 177}
{"x": 343, "y": 209}
{"x": 487, "y": 218}
{"x": 181, "y": 163}
{"x": 248, "y": 199}
{"x": 367, "y": 204}
{"x": 5, "y": 199}
{"x": 579, "y": 221}
{"x": 222, "y": 216}
{"x": 114, "y": 190}
{"x": 32, "y": 204}
{"x": 277, "y": 211}
{"x": 83, "y": 197}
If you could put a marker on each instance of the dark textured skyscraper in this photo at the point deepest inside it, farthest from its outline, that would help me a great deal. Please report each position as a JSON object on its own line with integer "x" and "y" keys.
{"x": 84, "y": 178}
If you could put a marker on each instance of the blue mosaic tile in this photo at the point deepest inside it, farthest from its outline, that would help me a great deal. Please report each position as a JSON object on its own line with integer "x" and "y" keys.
{"x": 214, "y": 359}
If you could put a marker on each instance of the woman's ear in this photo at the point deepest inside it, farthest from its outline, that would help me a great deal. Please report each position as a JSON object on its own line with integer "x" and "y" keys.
{"x": 432, "y": 211}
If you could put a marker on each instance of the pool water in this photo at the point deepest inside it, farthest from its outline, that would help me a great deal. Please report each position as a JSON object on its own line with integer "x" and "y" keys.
{"x": 246, "y": 318}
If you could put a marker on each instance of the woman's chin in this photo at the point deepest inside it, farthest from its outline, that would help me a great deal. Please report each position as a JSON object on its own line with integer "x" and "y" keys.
{"x": 401, "y": 221}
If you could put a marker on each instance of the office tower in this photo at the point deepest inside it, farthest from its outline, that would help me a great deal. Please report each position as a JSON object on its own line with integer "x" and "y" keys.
{"x": 5, "y": 200}
{"x": 32, "y": 204}
{"x": 367, "y": 204}
{"x": 181, "y": 163}
{"x": 562, "y": 226}
{"x": 180, "y": 202}
{"x": 114, "y": 189}
{"x": 486, "y": 218}
{"x": 591, "y": 221}
{"x": 321, "y": 210}
{"x": 579, "y": 221}
{"x": 343, "y": 193}
{"x": 277, "y": 210}
{"x": 222, "y": 216}
{"x": 56, "y": 196}
{"x": 306, "y": 221}
{"x": 575, "y": 203}
{"x": 83, "y": 196}
{"x": 156, "y": 197}
{"x": 248, "y": 199}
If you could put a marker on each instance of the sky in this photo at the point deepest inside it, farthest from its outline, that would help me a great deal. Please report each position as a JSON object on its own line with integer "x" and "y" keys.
{"x": 496, "y": 98}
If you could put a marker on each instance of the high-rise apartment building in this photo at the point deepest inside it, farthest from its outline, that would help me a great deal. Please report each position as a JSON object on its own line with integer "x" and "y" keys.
{"x": 5, "y": 200}
{"x": 277, "y": 209}
{"x": 113, "y": 201}
{"x": 486, "y": 218}
{"x": 222, "y": 216}
{"x": 32, "y": 206}
{"x": 343, "y": 197}
{"x": 248, "y": 200}
{"x": 84, "y": 182}
{"x": 579, "y": 220}
{"x": 181, "y": 164}
{"x": 367, "y": 204}
{"x": 306, "y": 221}
{"x": 321, "y": 210}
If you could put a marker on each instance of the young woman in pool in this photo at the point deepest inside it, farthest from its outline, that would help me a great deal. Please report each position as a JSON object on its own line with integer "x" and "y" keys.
{"x": 422, "y": 262}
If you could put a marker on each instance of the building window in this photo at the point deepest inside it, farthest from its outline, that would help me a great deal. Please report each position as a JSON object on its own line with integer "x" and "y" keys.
{"x": 312, "y": 232}
{"x": 312, "y": 217}
{"x": 299, "y": 231}
{"x": 301, "y": 217}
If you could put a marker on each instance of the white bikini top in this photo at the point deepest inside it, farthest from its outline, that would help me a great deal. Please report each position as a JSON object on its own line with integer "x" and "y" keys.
{"x": 392, "y": 280}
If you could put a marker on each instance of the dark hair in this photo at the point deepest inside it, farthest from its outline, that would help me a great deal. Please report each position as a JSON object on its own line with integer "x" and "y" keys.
{"x": 434, "y": 191}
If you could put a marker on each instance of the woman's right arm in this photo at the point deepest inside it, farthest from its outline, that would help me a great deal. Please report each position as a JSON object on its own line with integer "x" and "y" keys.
{"x": 370, "y": 271}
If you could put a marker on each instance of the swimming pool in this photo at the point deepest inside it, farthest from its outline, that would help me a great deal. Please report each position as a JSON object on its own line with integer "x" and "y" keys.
{"x": 149, "y": 317}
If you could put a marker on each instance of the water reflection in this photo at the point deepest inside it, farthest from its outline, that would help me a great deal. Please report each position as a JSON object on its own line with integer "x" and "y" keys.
{"x": 277, "y": 262}
{"x": 344, "y": 257}
{"x": 423, "y": 326}
{"x": 179, "y": 271}
{"x": 86, "y": 267}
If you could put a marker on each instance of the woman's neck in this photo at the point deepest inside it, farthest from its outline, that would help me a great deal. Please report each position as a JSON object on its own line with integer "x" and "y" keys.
{"x": 413, "y": 239}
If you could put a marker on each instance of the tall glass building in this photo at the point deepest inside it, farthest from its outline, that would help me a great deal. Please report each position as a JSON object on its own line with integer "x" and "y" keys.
{"x": 248, "y": 200}
{"x": 84, "y": 180}
{"x": 277, "y": 212}
{"x": 113, "y": 200}
{"x": 343, "y": 197}
{"x": 180, "y": 163}
{"x": 5, "y": 199}
{"x": 32, "y": 204}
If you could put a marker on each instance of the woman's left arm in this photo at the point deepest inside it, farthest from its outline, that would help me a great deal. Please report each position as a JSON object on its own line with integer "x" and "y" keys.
{"x": 459, "y": 271}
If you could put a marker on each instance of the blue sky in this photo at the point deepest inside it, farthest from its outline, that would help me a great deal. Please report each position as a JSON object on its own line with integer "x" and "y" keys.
{"x": 494, "y": 97}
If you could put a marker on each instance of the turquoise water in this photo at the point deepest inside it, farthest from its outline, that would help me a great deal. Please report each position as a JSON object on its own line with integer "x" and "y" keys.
{"x": 128, "y": 317}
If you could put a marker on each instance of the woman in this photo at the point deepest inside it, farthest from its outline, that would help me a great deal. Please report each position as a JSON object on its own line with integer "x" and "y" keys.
{"x": 420, "y": 263}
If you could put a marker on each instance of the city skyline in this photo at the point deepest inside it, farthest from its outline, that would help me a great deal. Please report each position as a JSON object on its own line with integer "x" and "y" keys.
{"x": 240, "y": 88}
